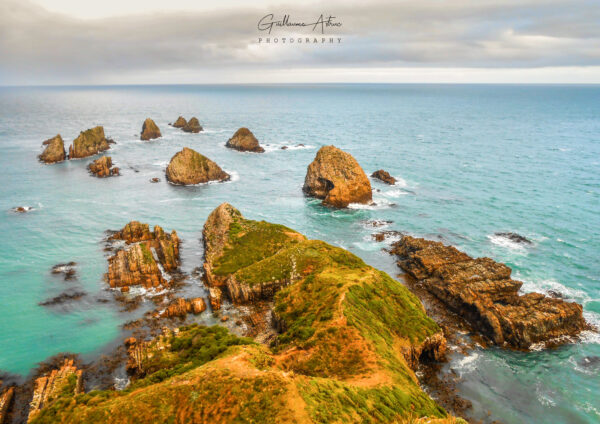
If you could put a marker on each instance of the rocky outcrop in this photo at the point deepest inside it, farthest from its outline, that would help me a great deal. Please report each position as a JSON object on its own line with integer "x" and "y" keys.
{"x": 244, "y": 141}
{"x": 180, "y": 123}
{"x": 384, "y": 176}
{"x": 67, "y": 270}
{"x": 145, "y": 259}
{"x": 192, "y": 126}
{"x": 139, "y": 351}
{"x": 337, "y": 178}
{"x": 22, "y": 209}
{"x": 190, "y": 167}
{"x": 181, "y": 307}
{"x": 514, "y": 237}
{"x": 54, "y": 151}
{"x": 88, "y": 143}
{"x": 65, "y": 380}
{"x": 6, "y": 397}
{"x": 103, "y": 167}
{"x": 149, "y": 130}
{"x": 481, "y": 292}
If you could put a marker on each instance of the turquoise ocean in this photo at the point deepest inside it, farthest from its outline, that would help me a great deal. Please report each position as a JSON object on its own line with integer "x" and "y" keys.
{"x": 471, "y": 160}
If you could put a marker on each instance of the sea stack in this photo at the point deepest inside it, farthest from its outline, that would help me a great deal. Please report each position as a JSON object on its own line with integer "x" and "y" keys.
{"x": 192, "y": 126}
{"x": 180, "y": 123}
{"x": 150, "y": 130}
{"x": 190, "y": 167}
{"x": 55, "y": 150}
{"x": 103, "y": 167}
{"x": 337, "y": 178}
{"x": 88, "y": 143}
{"x": 384, "y": 176}
{"x": 244, "y": 141}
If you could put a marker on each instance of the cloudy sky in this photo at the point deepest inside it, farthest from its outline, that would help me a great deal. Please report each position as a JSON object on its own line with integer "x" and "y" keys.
{"x": 192, "y": 41}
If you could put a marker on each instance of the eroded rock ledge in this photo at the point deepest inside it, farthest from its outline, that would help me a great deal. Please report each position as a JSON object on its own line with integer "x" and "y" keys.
{"x": 145, "y": 259}
{"x": 103, "y": 167}
{"x": 481, "y": 292}
{"x": 337, "y": 178}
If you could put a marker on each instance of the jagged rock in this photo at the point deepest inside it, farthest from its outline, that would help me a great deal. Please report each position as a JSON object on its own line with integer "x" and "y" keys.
{"x": 145, "y": 257}
{"x": 139, "y": 352}
{"x": 155, "y": 180}
{"x": 215, "y": 297}
{"x": 384, "y": 176}
{"x": 192, "y": 126}
{"x": 383, "y": 235}
{"x": 181, "y": 307}
{"x": 482, "y": 292}
{"x": 54, "y": 151}
{"x": 66, "y": 269}
{"x": 190, "y": 167}
{"x": 103, "y": 167}
{"x": 89, "y": 143}
{"x": 244, "y": 141}
{"x": 150, "y": 130}
{"x": 337, "y": 178}
{"x": 6, "y": 396}
{"x": 517, "y": 238}
{"x": 62, "y": 298}
{"x": 50, "y": 386}
{"x": 180, "y": 123}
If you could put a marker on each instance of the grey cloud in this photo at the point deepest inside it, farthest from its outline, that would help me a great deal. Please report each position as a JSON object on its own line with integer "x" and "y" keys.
{"x": 37, "y": 46}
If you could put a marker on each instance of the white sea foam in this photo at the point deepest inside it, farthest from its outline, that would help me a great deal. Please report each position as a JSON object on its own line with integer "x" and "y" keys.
{"x": 379, "y": 203}
{"x": 507, "y": 243}
{"x": 394, "y": 193}
{"x": 467, "y": 364}
{"x": 274, "y": 147}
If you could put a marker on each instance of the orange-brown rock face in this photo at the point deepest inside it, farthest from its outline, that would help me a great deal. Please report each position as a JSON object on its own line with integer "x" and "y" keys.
{"x": 384, "y": 176}
{"x": 192, "y": 126}
{"x": 140, "y": 351}
{"x": 6, "y": 396}
{"x": 337, "y": 178}
{"x": 103, "y": 167}
{"x": 55, "y": 150}
{"x": 150, "y": 130}
{"x": 88, "y": 143}
{"x": 481, "y": 291}
{"x": 49, "y": 386}
{"x": 145, "y": 258}
{"x": 244, "y": 141}
{"x": 180, "y": 123}
{"x": 190, "y": 167}
{"x": 181, "y": 307}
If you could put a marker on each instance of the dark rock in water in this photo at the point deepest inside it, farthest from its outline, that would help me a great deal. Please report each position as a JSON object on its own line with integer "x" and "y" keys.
{"x": 590, "y": 361}
{"x": 284, "y": 147}
{"x": 376, "y": 223}
{"x": 383, "y": 235}
{"x": 482, "y": 292}
{"x": 384, "y": 176}
{"x": 22, "y": 209}
{"x": 556, "y": 294}
{"x": 62, "y": 298}
{"x": 111, "y": 141}
{"x": 300, "y": 145}
{"x": 514, "y": 237}
{"x": 66, "y": 269}
{"x": 155, "y": 180}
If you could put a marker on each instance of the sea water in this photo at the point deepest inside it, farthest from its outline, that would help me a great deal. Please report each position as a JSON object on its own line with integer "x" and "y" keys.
{"x": 471, "y": 161}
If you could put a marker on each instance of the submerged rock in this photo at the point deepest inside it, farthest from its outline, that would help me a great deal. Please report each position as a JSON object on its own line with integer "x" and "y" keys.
{"x": 244, "y": 141}
{"x": 155, "y": 180}
{"x": 180, "y": 123}
{"x": 145, "y": 258}
{"x": 55, "y": 150}
{"x": 482, "y": 292}
{"x": 63, "y": 381}
{"x": 62, "y": 298}
{"x": 190, "y": 167}
{"x": 89, "y": 143}
{"x": 150, "y": 130}
{"x": 337, "y": 178}
{"x": 103, "y": 167}
{"x": 66, "y": 269}
{"x": 384, "y": 176}
{"x": 192, "y": 126}
{"x": 22, "y": 209}
{"x": 514, "y": 237}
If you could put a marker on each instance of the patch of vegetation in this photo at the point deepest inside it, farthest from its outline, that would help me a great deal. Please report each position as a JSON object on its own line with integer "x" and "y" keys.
{"x": 146, "y": 253}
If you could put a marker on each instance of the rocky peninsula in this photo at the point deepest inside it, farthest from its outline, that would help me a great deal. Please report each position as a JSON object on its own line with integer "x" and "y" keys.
{"x": 337, "y": 178}
{"x": 482, "y": 292}
{"x": 190, "y": 167}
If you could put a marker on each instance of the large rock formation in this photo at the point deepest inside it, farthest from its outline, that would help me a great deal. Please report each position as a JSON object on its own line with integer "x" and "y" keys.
{"x": 59, "y": 382}
{"x": 89, "y": 143}
{"x": 181, "y": 307}
{"x": 337, "y": 178}
{"x": 103, "y": 167}
{"x": 244, "y": 141}
{"x": 54, "y": 151}
{"x": 150, "y": 130}
{"x": 384, "y": 176}
{"x": 192, "y": 126}
{"x": 190, "y": 167}
{"x": 145, "y": 259}
{"x": 482, "y": 292}
{"x": 180, "y": 123}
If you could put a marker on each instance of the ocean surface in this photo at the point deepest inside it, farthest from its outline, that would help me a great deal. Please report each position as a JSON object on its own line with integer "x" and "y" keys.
{"x": 471, "y": 160}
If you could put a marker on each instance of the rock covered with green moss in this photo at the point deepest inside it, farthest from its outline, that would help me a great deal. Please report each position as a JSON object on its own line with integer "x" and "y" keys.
{"x": 89, "y": 143}
{"x": 54, "y": 151}
{"x": 190, "y": 167}
{"x": 337, "y": 178}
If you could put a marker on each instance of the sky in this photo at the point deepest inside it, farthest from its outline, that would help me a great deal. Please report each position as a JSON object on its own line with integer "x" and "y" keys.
{"x": 55, "y": 42}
